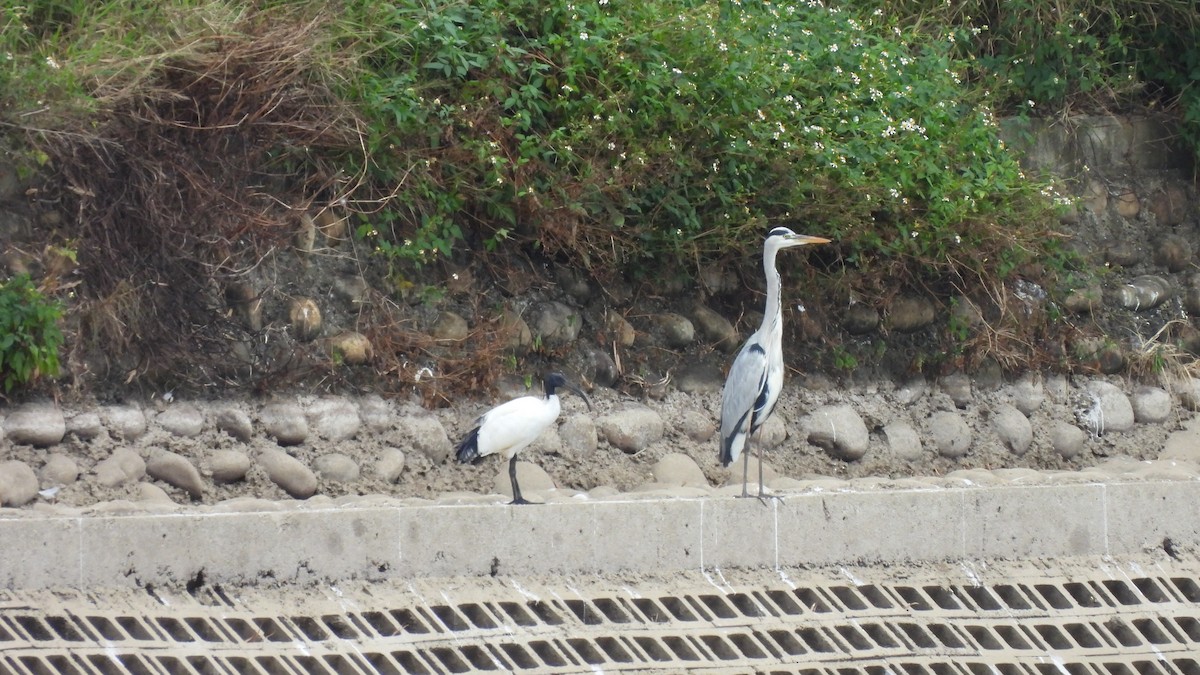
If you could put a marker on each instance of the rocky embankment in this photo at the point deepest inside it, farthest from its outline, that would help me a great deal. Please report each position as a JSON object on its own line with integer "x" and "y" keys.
{"x": 181, "y": 454}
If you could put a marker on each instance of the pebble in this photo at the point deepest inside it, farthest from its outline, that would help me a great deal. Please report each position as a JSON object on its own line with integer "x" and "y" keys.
{"x": 632, "y": 429}
{"x": 183, "y": 420}
{"x": 390, "y": 464}
{"x": 1108, "y": 410}
{"x": 288, "y": 473}
{"x": 177, "y": 470}
{"x": 59, "y": 469}
{"x": 518, "y": 337}
{"x": 678, "y": 469}
{"x": 1189, "y": 393}
{"x": 1013, "y": 428}
{"x": 839, "y": 430}
{"x": 334, "y": 418}
{"x": 1143, "y": 293}
{"x": 124, "y": 422}
{"x": 18, "y": 483}
{"x": 903, "y": 441}
{"x": 337, "y": 467}
{"x": 950, "y": 434}
{"x": 235, "y": 422}
{"x": 285, "y": 422}
{"x": 228, "y": 466}
{"x": 1151, "y": 405}
{"x": 1067, "y": 439}
{"x": 38, "y": 424}
{"x": 619, "y": 329}
{"x": 122, "y": 466}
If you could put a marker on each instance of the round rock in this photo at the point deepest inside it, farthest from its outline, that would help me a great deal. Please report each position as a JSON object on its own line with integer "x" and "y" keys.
{"x": 578, "y": 433}
{"x": 228, "y": 466}
{"x": 37, "y": 424}
{"x": 772, "y": 433}
{"x": 288, "y": 473}
{"x": 59, "y": 469}
{"x": 697, "y": 426}
{"x": 678, "y": 469}
{"x": 555, "y": 323}
{"x": 632, "y": 429}
{"x": 1067, "y": 439}
{"x": 85, "y": 426}
{"x": 334, "y": 418}
{"x": 1108, "y": 409}
{"x": 908, "y": 314}
{"x": 1028, "y": 394}
{"x": 235, "y": 422}
{"x": 176, "y": 470}
{"x": 958, "y": 387}
{"x": 390, "y": 464}
{"x": 950, "y": 434}
{"x": 860, "y": 319}
{"x": 839, "y": 430}
{"x": 425, "y": 434}
{"x": 675, "y": 331}
{"x": 1013, "y": 428}
{"x": 715, "y": 328}
{"x": 530, "y": 477}
{"x": 183, "y": 420}
{"x": 124, "y": 421}
{"x": 903, "y": 440}
{"x": 337, "y": 467}
{"x": 18, "y": 483}
{"x": 122, "y": 466}
{"x": 285, "y": 422}
{"x": 1151, "y": 405}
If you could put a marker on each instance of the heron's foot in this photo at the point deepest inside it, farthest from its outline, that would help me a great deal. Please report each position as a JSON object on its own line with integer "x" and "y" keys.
{"x": 763, "y": 497}
{"x": 522, "y": 500}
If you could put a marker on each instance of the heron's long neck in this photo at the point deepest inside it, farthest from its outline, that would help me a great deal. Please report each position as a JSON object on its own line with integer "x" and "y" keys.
{"x": 772, "y": 324}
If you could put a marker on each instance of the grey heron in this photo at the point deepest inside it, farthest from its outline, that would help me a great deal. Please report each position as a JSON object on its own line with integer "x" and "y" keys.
{"x": 756, "y": 376}
{"x": 510, "y": 427}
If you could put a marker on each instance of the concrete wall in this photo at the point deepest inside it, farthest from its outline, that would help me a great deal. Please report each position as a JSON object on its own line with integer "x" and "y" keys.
{"x": 373, "y": 539}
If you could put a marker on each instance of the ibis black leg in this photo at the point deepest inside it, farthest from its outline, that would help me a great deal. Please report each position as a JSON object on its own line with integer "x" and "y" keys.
{"x": 516, "y": 489}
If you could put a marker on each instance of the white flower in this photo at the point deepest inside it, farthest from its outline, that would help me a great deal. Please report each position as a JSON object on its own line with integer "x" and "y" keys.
{"x": 583, "y": 35}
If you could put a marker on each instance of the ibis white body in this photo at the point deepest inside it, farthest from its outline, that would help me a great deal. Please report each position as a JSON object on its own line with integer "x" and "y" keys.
{"x": 511, "y": 427}
{"x": 756, "y": 376}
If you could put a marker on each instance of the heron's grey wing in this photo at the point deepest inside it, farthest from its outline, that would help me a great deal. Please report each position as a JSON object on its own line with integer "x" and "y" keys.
{"x": 743, "y": 389}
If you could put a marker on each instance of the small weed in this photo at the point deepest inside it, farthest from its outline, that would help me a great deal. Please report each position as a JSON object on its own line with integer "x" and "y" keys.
{"x": 29, "y": 333}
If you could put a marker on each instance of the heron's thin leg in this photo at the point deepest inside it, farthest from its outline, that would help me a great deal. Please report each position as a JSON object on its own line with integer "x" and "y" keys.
{"x": 762, "y": 490}
{"x": 516, "y": 489}
{"x": 746, "y": 467}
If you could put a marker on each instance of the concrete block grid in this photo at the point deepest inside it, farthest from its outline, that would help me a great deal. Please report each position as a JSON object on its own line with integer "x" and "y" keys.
{"x": 377, "y": 541}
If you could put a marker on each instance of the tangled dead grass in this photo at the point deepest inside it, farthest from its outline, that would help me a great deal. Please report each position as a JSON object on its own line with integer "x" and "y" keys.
{"x": 185, "y": 178}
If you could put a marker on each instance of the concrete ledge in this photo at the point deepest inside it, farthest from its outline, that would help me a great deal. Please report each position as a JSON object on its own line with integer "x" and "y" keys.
{"x": 813, "y": 527}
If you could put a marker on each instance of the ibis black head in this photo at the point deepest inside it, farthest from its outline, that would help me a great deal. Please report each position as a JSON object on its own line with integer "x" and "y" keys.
{"x": 555, "y": 380}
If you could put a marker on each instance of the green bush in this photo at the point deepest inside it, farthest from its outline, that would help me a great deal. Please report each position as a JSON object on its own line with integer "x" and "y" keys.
{"x": 677, "y": 130}
{"x": 29, "y": 334}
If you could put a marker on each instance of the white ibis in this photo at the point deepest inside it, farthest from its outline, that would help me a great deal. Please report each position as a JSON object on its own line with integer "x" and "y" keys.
{"x": 510, "y": 427}
{"x": 752, "y": 388}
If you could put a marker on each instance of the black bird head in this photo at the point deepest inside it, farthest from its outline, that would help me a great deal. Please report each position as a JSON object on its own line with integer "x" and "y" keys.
{"x": 555, "y": 380}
